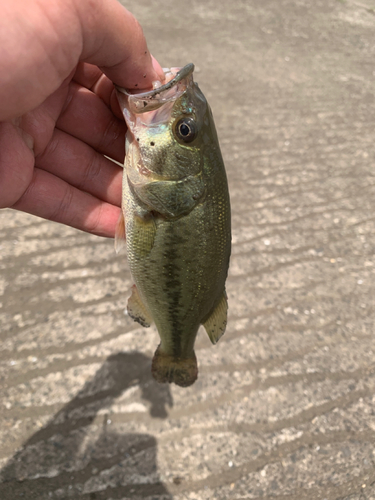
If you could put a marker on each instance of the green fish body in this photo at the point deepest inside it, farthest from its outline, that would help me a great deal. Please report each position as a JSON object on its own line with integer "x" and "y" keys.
{"x": 176, "y": 213}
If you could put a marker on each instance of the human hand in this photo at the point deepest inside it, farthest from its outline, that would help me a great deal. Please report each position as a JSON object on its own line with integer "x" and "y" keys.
{"x": 58, "y": 112}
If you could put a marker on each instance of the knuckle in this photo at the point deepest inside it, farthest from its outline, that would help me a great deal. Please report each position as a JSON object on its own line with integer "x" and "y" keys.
{"x": 90, "y": 172}
{"x": 62, "y": 211}
{"x": 110, "y": 135}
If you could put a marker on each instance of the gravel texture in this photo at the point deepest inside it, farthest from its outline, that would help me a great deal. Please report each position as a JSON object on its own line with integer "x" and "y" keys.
{"x": 284, "y": 407}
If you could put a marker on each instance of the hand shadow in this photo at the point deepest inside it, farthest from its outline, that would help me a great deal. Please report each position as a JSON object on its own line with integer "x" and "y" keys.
{"x": 72, "y": 458}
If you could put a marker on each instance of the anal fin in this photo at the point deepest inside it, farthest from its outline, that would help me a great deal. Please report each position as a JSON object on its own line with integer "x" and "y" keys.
{"x": 137, "y": 310}
{"x": 217, "y": 321}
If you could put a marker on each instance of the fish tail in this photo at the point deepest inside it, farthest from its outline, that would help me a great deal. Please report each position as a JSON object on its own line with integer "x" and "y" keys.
{"x": 167, "y": 368}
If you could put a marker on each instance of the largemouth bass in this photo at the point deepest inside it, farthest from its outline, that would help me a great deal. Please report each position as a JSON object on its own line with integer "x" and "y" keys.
{"x": 176, "y": 218}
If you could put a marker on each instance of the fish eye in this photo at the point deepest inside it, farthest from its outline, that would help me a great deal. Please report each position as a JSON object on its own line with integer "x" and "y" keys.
{"x": 186, "y": 130}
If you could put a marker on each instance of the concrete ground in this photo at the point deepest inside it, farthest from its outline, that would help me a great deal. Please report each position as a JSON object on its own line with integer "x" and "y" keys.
{"x": 284, "y": 406}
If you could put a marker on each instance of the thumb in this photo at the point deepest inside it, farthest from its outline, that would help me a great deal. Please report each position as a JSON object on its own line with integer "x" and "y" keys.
{"x": 113, "y": 40}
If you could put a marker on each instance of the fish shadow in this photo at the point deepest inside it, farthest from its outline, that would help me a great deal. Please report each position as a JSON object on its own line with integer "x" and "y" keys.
{"x": 78, "y": 455}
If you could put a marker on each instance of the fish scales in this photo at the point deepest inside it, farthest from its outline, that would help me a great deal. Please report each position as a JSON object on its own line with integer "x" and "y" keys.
{"x": 176, "y": 213}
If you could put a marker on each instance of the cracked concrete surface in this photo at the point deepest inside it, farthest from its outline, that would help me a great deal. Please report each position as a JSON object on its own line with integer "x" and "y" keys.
{"x": 284, "y": 406}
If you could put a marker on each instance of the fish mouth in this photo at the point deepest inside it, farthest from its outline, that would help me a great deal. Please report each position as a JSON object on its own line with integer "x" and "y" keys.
{"x": 142, "y": 102}
{"x": 180, "y": 74}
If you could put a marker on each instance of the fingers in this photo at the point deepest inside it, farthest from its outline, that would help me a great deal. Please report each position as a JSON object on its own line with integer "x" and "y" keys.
{"x": 91, "y": 77}
{"x": 89, "y": 119}
{"x": 40, "y": 46}
{"x": 84, "y": 195}
{"x": 81, "y": 166}
{"x": 42, "y": 43}
{"x": 16, "y": 163}
{"x": 40, "y": 122}
{"x": 54, "y": 199}
{"x": 87, "y": 75}
{"x": 81, "y": 113}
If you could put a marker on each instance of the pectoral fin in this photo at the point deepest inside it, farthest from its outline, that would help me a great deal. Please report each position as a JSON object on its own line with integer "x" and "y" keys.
{"x": 137, "y": 310}
{"x": 120, "y": 234}
{"x": 217, "y": 321}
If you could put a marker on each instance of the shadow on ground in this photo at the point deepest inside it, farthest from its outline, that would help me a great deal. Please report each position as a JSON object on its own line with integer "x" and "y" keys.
{"x": 68, "y": 452}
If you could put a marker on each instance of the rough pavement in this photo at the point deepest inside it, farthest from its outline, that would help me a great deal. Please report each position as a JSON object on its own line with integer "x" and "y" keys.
{"x": 284, "y": 406}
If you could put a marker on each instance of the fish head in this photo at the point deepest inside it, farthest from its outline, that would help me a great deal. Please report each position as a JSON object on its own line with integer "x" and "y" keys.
{"x": 166, "y": 127}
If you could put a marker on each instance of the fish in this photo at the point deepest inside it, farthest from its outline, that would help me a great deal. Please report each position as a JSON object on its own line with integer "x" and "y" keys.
{"x": 175, "y": 220}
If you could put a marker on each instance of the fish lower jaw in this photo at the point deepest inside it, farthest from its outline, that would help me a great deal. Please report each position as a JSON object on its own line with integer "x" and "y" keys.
{"x": 169, "y": 368}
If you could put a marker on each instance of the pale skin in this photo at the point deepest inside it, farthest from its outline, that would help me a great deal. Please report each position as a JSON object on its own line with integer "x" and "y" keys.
{"x": 58, "y": 110}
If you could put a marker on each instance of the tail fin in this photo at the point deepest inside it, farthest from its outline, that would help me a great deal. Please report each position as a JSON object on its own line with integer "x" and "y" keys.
{"x": 181, "y": 371}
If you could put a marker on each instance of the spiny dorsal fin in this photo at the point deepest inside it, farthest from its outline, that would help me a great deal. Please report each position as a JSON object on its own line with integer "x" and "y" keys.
{"x": 217, "y": 321}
